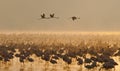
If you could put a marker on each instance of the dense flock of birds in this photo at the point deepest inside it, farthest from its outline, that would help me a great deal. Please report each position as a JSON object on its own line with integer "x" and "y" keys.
{"x": 67, "y": 53}
{"x": 98, "y": 56}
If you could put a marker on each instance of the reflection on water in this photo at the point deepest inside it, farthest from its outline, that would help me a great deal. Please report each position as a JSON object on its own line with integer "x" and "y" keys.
{"x": 21, "y": 69}
{"x": 40, "y": 65}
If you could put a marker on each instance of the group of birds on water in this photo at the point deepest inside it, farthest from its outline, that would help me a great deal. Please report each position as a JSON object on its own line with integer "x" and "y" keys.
{"x": 53, "y": 53}
{"x": 43, "y": 16}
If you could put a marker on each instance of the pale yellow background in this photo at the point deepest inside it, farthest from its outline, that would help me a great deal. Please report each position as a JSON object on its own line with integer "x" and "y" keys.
{"x": 96, "y": 15}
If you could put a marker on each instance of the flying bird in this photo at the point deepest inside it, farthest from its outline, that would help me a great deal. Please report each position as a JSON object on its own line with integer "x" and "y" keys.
{"x": 53, "y": 16}
{"x": 43, "y": 16}
{"x": 75, "y": 18}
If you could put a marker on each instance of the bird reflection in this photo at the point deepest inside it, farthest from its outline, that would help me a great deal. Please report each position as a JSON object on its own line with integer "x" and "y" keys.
{"x": 67, "y": 68}
{"x": 22, "y": 69}
{"x": 30, "y": 69}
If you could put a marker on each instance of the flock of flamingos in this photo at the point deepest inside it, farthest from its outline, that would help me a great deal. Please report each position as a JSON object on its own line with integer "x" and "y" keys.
{"x": 68, "y": 53}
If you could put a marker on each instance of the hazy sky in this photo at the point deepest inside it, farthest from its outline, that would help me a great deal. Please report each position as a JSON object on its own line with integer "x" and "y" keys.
{"x": 96, "y": 15}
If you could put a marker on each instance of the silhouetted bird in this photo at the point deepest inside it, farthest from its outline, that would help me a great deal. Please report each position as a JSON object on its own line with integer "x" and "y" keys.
{"x": 107, "y": 65}
{"x": 94, "y": 64}
{"x": 74, "y": 18}
{"x": 72, "y": 54}
{"x": 67, "y": 59}
{"x": 55, "y": 57}
{"x": 113, "y": 62}
{"x": 43, "y": 16}
{"x": 1, "y": 58}
{"x": 10, "y": 55}
{"x": 6, "y": 59}
{"x": 17, "y": 55}
{"x": 91, "y": 65}
{"x": 53, "y": 61}
{"x": 46, "y": 57}
{"x": 87, "y": 60}
{"x": 30, "y": 59}
{"x": 21, "y": 60}
{"x": 88, "y": 67}
{"x": 38, "y": 53}
{"x": 53, "y": 16}
{"x": 93, "y": 58}
{"x": 80, "y": 61}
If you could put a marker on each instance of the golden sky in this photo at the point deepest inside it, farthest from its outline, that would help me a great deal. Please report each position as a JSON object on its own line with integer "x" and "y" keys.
{"x": 96, "y": 15}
